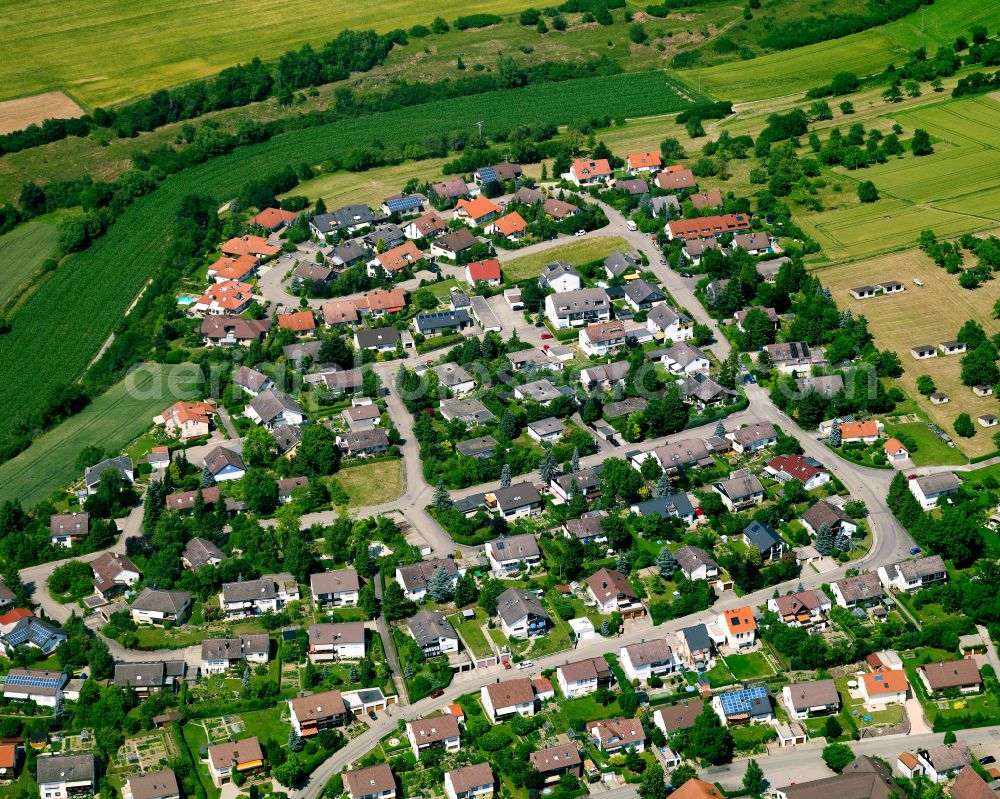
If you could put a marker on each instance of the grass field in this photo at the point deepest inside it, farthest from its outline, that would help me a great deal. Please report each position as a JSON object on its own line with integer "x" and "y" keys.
{"x": 82, "y": 302}
{"x": 575, "y": 252}
{"x": 22, "y": 252}
{"x": 865, "y": 53}
{"x": 931, "y": 449}
{"x": 109, "y": 50}
{"x": 111, "y": 421}
{"x": 922, "y": 315}
{"x": 372, "y": 483}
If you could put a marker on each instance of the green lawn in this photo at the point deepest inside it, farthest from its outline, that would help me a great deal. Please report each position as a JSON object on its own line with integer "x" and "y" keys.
{"x": 579, "y": 251}
{"x": 112, "y": 421}
{"x": 750, "y": 735}
{"x": 22, "y": 252}
{"x": 749, "y": 666}
{"x": 371, "y": 483}
{"x": 472, "y": 634}
{"x": 268, "y": 724}
{"x": 931, "y": 450}
{"x": 151, "y": 637}
{"x": 720, "y": 675}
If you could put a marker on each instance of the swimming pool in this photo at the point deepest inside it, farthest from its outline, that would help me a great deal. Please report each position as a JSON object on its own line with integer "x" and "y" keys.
{"x": 185, "y": 300}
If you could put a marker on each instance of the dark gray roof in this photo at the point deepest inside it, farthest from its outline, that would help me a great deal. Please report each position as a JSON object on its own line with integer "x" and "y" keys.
{"x": 286, "y": 437}
{"x": 458, "y": 241}
{"x": 471, "y": 409}
{"x": 761, "y": 536}
{"x": 428, "y": 626}
{"x": 642, "y": 291}
{"x": 141, "y": 675}
{"x": 696, "y": 637}
{"x": 618, "y": 263}
{"x": 516, "y": 496}
{"x": 65, "y": 768}
{"x": 379, "y": 337}
{"x": 515, "y": 603}
{"x": 366, "y": 439}
{"x": 152, "y": 599}
{"x": 221, "y": 457}
{"x": 677, "y": 505}
{"x": 123, "y": 463}
{"x": 433, "y": 322}
{"x": 476, "y": 446}
{"x": 268, "y": 404}
{"x": 690, "y": 558}
{"x": 249, "y": 590}
{"x": 516, "y": 547}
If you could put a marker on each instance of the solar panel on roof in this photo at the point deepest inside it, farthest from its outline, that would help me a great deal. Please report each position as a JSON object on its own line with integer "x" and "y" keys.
{"x": 30, "y": 681}
{"x": 488, "y": 175}
{"x": 402, "y": 203}
{"x": 742, "y": 701}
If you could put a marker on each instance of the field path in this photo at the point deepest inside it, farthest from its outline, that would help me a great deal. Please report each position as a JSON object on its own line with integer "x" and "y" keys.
{"x": 111, "y": 338}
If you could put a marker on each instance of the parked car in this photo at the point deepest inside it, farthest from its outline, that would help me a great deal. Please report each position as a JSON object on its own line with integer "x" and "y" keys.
{"x": 372, "y": 715}
{"x": 547, "y": 336}
{"x": 581, "y": 233}
{"x": 525, "y": 664}
{"x": 916, "y": 551}
{"x": 436, "y": 693}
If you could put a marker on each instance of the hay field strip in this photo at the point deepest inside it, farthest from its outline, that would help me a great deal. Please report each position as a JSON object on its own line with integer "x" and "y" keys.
{"x": 923, "y": 315}
{"x": 18, "y": 114}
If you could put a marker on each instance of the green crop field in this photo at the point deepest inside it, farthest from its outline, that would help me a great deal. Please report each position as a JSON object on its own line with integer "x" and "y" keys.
{"x": 82, "y": 302}
{"x": 22, "y": 252}
{"x": 951, "y": 192}
{"x": 106, "y": 51}
{"x": 111, "y": 421}
{"x": 794, "y": 71}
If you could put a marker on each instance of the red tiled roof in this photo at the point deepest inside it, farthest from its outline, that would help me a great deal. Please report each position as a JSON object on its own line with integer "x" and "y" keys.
{"x": 708, "y": 225}
{"x": 643, "y": 160}
{"x": 299, "y": 322}
{"x": 477, "y": 208}
{"x": 510, "y": 224}
{"x": 271, "y": 218}
{"x": 484, "y": 270}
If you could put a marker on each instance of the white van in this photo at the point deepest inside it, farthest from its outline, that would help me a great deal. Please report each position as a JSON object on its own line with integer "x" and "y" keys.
{"x": 631, "y": 225}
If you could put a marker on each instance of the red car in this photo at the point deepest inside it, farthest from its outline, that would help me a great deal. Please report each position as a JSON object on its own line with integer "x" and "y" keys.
{"x": 547, "y": 336}
{"x": 436, "y": 693}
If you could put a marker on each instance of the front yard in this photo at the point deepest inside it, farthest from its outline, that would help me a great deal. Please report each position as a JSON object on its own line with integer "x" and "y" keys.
{"x": 750, "y": 666}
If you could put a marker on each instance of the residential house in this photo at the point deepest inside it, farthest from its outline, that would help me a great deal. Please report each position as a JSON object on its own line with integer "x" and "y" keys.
{"x": 510, "y": 226}
{"x": 362, "y": 417}
{"x": 824, "y": 385}
{"x": 693, "y": 648}
{"x": 739, "y": 627}
{"x": 250, "y": 381}
{"x": 585, "y": 172}
{"x": 426, "y": 226}
{"x": 695, "y": 563}
{"x": 753, "y": 437}
{"x": 480, "y": 447}
{"x": 951, "y": 675}
{"x": 913, "y": 575}
{"x": 833, "y": 516}
{"x": 742, "y": 490}
{"x": 694, "y": 250}
{"x": 930, "y": 488}
{"x": 454, "y": 245}
{"x": 240, "y": 269}
{"x": 612, "y": 593}
{"x": 560, "y": 277}
{"x": 373, "y": 782}
{"x": 227, "y": 759}
{"x": 433, "y": 633}
{"x": 337, "y": 641}
{"x": 508, "y": 698}
{"x": 200, "y": 552}
{"x": 686, "y": 453}
{"x": 520, "y": 499}
{"x": 758, "y": 243}
{"x": 497, "y": 174}
{"x": 219, "y": 655}
{"x": 402, "y": 204}
{"x": 554, "y": 761}
{"x": 669, "y": 324}
{"x": 364, "y": 443}
{"x": 487, "y": 272}
{"x": 792, "y": 357}
{"x": 186, "y": 420}
{"x": 152, "y": 785}
{"x": 941, "y": 763}
{"x": 310, "y": 273}
{"x": 396, "y": 260}
{"x": 706, "y": 199}
{"x": 635, "y": 187}
{"x": 272, "y": 408}
{"x": 577, "y": 308}
{"x": 121, "y": 464}
{"x": 706, "y": 226}
{"x": 301, "y": 323}
{"x": 273, "y": 219}
{"x": 450, "y": 189}
{"x": 638, "y": 163}
{"x": 470, "y": 411}
{"x": 806, "y": 609}
{"x": 454, "y": 378}
{"x": 703, "y": 392}
{"x": 157, "y": 607}
{"x": 647, "y": 659}
{"x": 587, "y": 482}
{"x": 310, "y": 715}
{"x": 440, "y": 732}
{"x": 744, "y": 706}
{"x": 30, "y": 632}
{"x": 808, "y": 471}
{"x": 677, "y": 506}
{"x": 861, "y": 589}
{"x": 864, "y": 778}
{"x": 254, "y": 597}
{"x": 641, "y": 295}
{"x": 522, "y": 614}
{"x": 224, "y": 465}
{"x": 684, "y": 359}
{"x": 442, "y": 322}
{"x": 67, "y": 529}
{"x": 602, "y": 338}
{"x": 604, "y": 376}
{"x": 227, "y": 297}
{"x": 231, "y": 331}
{"x": 476, "y": 212}
{"x": 66, "y": 776}
{"x": 679, "y": 716}
{"x": 346, "y": 254}
{"x": 114, "y": 573}
{"x": 548, "y": 429}
{"x": 613, "y": 736}
{"x": 676, "y": 178}
{"x": 379, "y": 302}
{"x": 413, "y": 578}
{"x": 620, "y": 264}
{"x": 42, "y": 687}
{"x": 338, "y": 588}
{"x": 146, "y": 679}
{"x": 583, "y": 677}
{"x": 379, "y": 339}
{"x": 768, "y": 542}
{"x": 587, "y": 528}
{"x": 860, "y": 432}
{"x": 814, "y": 698}
{"x": 469, "y": 782}
{"x": 542, "y": 391}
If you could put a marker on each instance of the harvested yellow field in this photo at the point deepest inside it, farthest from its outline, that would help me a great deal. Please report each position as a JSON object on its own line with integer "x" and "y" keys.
{"x": 927, "y": 314}
{"x": 34, "y": 110}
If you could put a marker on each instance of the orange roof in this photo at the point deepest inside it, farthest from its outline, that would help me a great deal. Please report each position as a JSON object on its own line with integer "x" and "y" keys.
{"x": 15, "y": 615}
{"x": 908, "y": 759}
{"x": 382, "y": 300}
{"x": 591, "y": 169}
{"x": 739, "y": 620}
{"x": 477, "y": 208}
{"x": 697, "y": 789}
{"x": 8, "y": 756}
{"x": 708, "y": 226}
{"x": 299, "y": 322}
{"x": 456, "y": 711}
{"x": 859, "y": 429}
{"x": 484, "y": 270}
{"x": 272, "y": 218}
{"x": 676, "y": 177}
{"x": 230, "y": 295}
{"x": 674, "y": 168}
{"x": 233, "y": 268}
{"x": 249, "y": 245}
{"x": 894, "y": 445}
{"x": 510, "y": 224}
{"x": 181, "y": 412}
{"x": 398, "y": 258}
{"x": 643, "y": 160}
{"x": 885, "y": 682}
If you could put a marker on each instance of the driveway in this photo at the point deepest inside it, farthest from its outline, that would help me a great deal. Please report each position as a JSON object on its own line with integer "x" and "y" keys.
{"x": 915, "y": 713}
